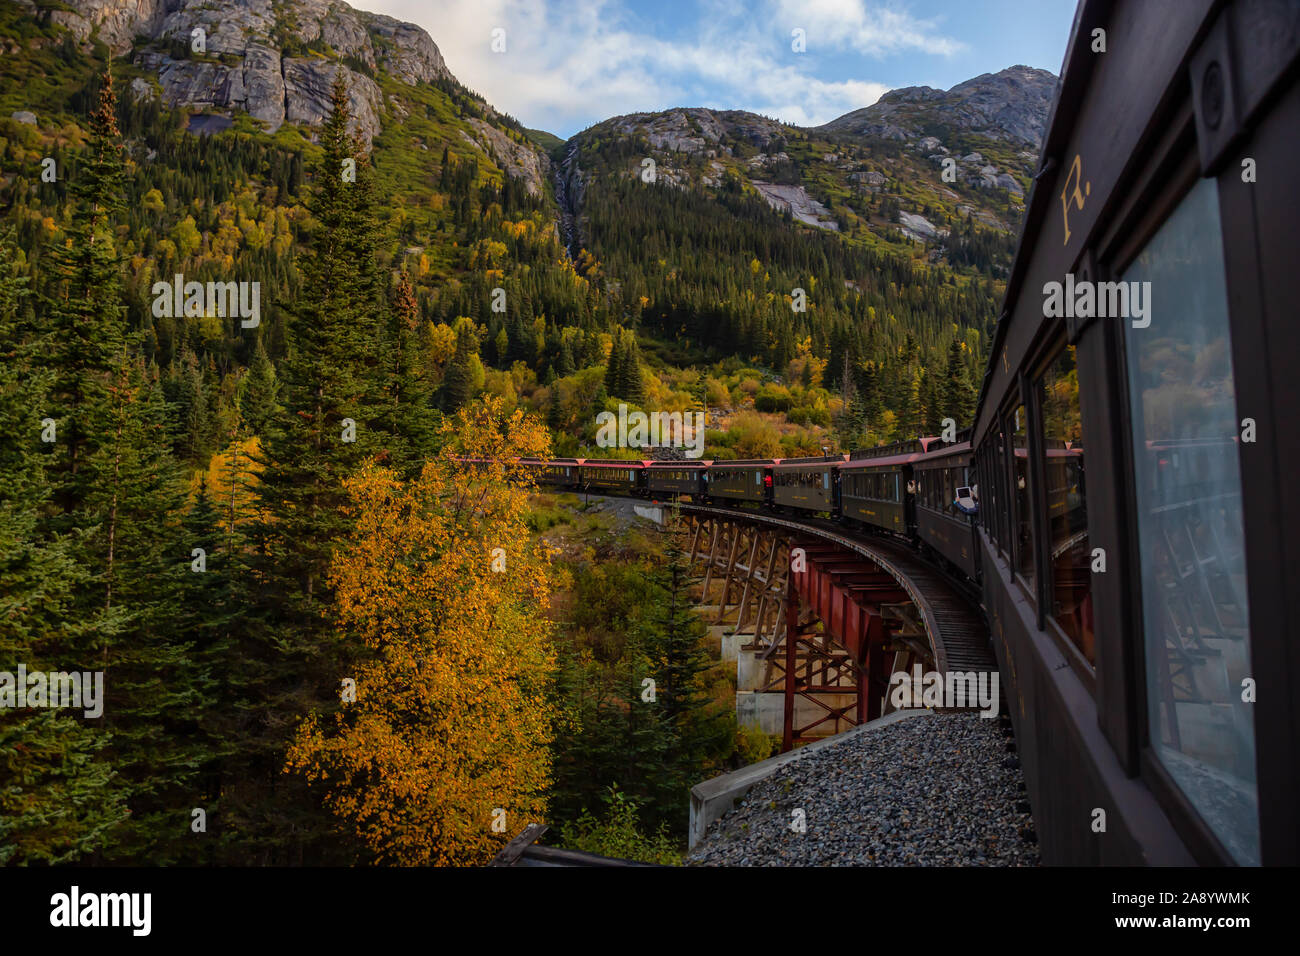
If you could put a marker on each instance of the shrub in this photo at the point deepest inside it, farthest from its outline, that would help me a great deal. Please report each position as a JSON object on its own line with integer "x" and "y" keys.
{"x": 618, "y": 835}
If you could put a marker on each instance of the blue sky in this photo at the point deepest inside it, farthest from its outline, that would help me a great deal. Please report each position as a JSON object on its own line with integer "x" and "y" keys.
{"x": 570, "y": 63}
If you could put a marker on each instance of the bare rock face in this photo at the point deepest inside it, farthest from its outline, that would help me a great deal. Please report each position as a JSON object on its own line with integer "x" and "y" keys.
{"x": 307, "y": 95}
{"x": 274, "y": 59}
{"x": 404, "y": 50}
{"x": 796, "y": 201}
{"x": 1010, "y": 184}
{"x": 514, "y": 159}
{"x": 118, "y": 21}
{"x": 919, "y": 228}
{"x": 264, "y": 92}
{"x": 1010, "y": 105}
{"x": 675, "y": 131}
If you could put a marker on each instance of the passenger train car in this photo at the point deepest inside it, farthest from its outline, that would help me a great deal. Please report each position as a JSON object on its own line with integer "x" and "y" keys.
{"x": 941, "y": 525}
{"x": 1141, "y": 618}
{"x": 878, "y": 486}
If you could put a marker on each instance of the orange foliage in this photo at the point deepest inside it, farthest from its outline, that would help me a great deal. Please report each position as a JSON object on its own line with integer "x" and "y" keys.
{"x": 451, "y": 720}
{"x": 232, "y": 479}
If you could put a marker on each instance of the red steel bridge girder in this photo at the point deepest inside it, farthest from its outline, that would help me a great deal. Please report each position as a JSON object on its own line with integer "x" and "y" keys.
{"x": 846, "y": 593}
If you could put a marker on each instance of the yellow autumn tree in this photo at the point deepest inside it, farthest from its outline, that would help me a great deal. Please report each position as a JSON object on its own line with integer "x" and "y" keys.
{"x": 451, "y": 728}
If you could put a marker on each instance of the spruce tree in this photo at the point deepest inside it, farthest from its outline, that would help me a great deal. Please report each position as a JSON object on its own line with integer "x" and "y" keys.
{"x": 959, "y": 393}
{"x": 614, "y": 377}
{"x": 157, "y": 684}
{"x": 58, "y": 802}
{"x": 673, "y": 636}
{"x": 632, "y": 384}
{"x": 259, "y": 392}
{"x": 409, "y": 423}
{"x": 329, "y": 395}
{"x": 84, "y": 320}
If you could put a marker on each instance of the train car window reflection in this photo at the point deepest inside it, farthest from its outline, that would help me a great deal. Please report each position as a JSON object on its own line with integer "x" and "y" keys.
{"x": 1018, "y": 425}
{"x": 1003, "y": 510}
{"x": 1189, "y": 524}
{"x": 1067, "y": 513}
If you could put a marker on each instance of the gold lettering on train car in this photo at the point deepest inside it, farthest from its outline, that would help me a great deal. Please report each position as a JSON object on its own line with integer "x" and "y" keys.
{"x": 1078, "y": 195}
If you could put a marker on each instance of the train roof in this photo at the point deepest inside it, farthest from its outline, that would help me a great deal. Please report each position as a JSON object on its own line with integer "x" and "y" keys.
{"x": 893, "y": 449}
{"x": 611, "y": 463}
{"x": 689, "y": 463}
{"x": 720, "y": 462}
{"x": 864, "y": 463}
{"x": 945, "y": 451}
{"x": 805, "y": 462}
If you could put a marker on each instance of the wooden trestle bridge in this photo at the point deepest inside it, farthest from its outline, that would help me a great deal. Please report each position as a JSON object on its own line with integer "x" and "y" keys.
{"x": 828, "y": 615}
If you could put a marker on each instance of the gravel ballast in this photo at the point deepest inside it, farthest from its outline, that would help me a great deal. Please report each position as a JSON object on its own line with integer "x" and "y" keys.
{"x": 936, "y": 790}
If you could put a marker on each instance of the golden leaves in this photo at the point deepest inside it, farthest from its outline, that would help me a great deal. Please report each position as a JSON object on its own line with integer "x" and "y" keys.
{"x": 452, "y": 718}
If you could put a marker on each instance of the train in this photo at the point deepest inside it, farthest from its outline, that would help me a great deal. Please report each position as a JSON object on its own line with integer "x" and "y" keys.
{"x": 1122, "y": 501}
{"x": 913, "y": 490}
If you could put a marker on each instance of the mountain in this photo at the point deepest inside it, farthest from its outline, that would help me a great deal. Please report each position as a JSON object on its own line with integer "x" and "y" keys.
{"x": 861, "y": 176}
{"x": 273, "y": 60}
{"x": 690, "y": 227}
{"x": 1010, "y": 105}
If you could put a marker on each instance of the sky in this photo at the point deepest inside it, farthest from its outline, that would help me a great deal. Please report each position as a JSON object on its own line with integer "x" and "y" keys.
{"x": 568, "y": 64}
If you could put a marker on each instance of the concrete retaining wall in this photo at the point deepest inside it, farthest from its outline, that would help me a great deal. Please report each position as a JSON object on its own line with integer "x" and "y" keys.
{"x": 713, "y": 798}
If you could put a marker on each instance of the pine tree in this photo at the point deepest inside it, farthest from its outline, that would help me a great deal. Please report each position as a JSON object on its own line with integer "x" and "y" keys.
{"x": 157, "y": 685}
{"x": 211, "y": 614}
{"x": 409, "y": 424}
{"x": 84, "y": 318}
{"x": 959, "y": 395}
{"x": 259, "y": 391}
{"x": 701, "y": 733}
{"x": 565, "y": 366}
{"x": 328, "y": 395}
{"x": 58, "y": 801}
{"x": 614, "y": 375}
{"x": 632, "y": 383}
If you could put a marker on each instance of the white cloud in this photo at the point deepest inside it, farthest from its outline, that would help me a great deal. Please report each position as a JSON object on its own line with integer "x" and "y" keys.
{"x": 569, "y": 63}
{"x": 873, "y": 29}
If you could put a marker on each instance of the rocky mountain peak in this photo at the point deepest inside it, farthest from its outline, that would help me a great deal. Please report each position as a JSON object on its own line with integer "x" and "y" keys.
{"x": 274, "y": 59}
{"x": 1010, "y": 105}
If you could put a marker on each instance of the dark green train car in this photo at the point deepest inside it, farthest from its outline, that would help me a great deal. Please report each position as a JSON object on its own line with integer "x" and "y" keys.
{"x": 806, "y": 484}
{"x": 558, "y": 472}
{"x": 674, "y": 478}
{"x": 939, "y": 522}
{"x": 620, "y": 477}
{"x": 876, "y": 493}
{"x": 749, "y": 480}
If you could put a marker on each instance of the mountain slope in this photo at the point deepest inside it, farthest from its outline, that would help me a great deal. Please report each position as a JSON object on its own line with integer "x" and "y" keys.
{"x": 1010, "y": 105}
{"x": 692, "y": 227}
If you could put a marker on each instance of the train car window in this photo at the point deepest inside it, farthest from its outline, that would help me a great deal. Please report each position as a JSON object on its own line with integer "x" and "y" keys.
{"x": 981, "y": 472}
{"x": 1018, "y": 425}
{"x": 990, "y": 484}
{"x": 1189, "y": 523}
{"x": 998, "y": 474}
{"x": 1067, "y": 513}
